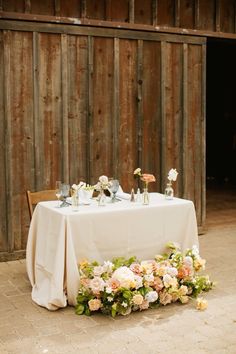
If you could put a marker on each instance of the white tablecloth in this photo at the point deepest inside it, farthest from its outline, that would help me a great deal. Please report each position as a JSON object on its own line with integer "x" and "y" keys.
{"x": 59, "y": 238}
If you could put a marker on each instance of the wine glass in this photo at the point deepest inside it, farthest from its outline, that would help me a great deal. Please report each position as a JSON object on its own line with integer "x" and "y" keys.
{"x": 58, "y": 192}
{"x": 65, "y": 191}
{"x": 114, "y": 186}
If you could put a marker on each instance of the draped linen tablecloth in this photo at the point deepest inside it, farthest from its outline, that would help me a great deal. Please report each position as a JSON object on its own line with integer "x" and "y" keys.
{"x": 59, "y": 238}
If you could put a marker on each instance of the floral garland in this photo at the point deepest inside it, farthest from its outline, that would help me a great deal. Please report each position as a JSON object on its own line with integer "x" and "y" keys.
{"x": 123, "y": 286}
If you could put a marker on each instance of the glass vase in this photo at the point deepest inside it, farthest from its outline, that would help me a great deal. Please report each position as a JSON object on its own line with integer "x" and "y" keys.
{"x": 75, "y": 201}
{"x": 145, "y": 196}
{"x": 102, "y": 198}
{"x": 169, "y": 192}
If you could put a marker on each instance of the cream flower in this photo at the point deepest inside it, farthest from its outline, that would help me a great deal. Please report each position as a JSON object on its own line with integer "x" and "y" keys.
{"x": 172, "y": 175}
{"x": 172, "y": 271}
{"x": 98, "y": 270}
{"x": 137, "y": 299}
{"x": 94, "y": 304}
{"x": 108, "y": 266}
{"x": 199, "y": 264}
{"x": 97, "y": 284}
{"x": 137, "y": 171}
{"x": 144, "y": 305}
{"x": 183, "y": 290}
{"x": 201, "y": 304}
{"x": 125, "y": 276}
{"x": 165, "y": 297}
{"x": 138, "y": 281}
{"x": 151, "y": 296}
{"x": 184, "y": 299}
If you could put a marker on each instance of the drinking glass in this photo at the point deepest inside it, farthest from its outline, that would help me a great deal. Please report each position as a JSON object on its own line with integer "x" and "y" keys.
{"x": 58, "y": 188}
{"x": 113, "y": 189}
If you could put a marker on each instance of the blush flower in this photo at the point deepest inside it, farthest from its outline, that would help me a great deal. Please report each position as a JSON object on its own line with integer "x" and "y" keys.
{"x": 94, "y": 304}
{"x": 125, "y": 276}
{"x": 137, "y": 299}
{"x": 201, "y": 304}
{"x": 97, "y": 284}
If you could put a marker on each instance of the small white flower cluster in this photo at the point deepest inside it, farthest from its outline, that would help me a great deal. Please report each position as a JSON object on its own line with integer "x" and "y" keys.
{"x": 172, "y": 175}
{"x": 103, "y": 183}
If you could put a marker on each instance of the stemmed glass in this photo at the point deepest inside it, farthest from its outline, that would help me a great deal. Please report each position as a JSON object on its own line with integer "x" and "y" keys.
{"x": 58, "y": 188}
{"x": 65, "y": 191}
{"x": 113, "y": 189}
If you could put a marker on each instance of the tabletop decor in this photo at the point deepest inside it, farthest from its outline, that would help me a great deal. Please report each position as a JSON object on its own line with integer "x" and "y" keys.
{"x": 75, "y": 194}
{"x": 169, "y": 191}
{"x": 125, "y": 285}
{"x": 146, "y": 178}
{"x": 102, "y": 185}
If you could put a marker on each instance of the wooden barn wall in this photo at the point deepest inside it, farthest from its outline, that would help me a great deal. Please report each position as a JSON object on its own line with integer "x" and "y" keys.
{"x": 78, "y": 102}
{"x": 206, "y": 15}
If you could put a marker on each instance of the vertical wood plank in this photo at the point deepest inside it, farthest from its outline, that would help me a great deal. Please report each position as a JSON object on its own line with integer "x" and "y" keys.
{"x": 143, "y": 11}
{"x": 203, "y": 137}
{"x": 37, "y": 126}
{"x": 117, "y": 10}
{"x": 83, "y": 8}
{"x": 227, "y": 15}
{"x": 140, "y": 103}
{"x": 64, "y": 77}
{"x": 101, "y": 129}
{"x": 92, "y": 179}
{"x": 13, "y": 5}
{"x": 131, "y": 11}
{"x": 217, "y": 16}
{"x": 186, "y": 13}
{"x": 163, "y": 115}
{"x": 165, "y": 12}
{"x": 50, "y": 110}
{"x": 8, "y": 157}
{"x": 3, "y": 199}
{"x": 128, "y": 112}
{"x": 45, "y": 7}
{"x": 96, "y": 9}
{"x": 78, "y": 109}
{"x": 27, "y": 6}
{"x": 71, "y": 8}
{"x": 57, "y": 7}
{"x": 185, "y": 121}
{"x": 154, "y": 12}
{"x": 1, "y": 5}
{"x": 116, "y": 107}
{"x": 151, "y": 102}
{"x": 205, "y": 19}
{"x": 177, "y": 13}
{"x": 19, "y": 135}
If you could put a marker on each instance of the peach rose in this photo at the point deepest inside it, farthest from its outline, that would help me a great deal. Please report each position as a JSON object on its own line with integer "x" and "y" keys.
{"x": 201, "y": 304}
{"x": 94, "y": 304}
{"x": 138, "y": 299}
{"x": 147, "y": 178}
{"x": 165, "y": 298}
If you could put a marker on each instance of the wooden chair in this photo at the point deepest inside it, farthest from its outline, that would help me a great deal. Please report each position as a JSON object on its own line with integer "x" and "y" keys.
{"x": 34, "y": 198}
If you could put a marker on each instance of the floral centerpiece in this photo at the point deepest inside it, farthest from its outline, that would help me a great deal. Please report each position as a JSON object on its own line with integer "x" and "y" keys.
{"x": 75, "y": 194}
{"x": 102, "y": 185}
{"x": 146, "y": 178}
{"x": 122, "y": 286}
{"x": 172, "y": 176}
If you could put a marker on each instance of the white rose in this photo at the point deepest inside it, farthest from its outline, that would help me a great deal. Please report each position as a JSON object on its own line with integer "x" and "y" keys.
{"x": 108, "y": 266}
{"x": 172, "y": 271}
{"x": 103, "y": 179}
{"x": 98, "y": 270}
{"x": 138, "y": 281}
{"x": 149, "y": 278}
{"x": 125, "y": 276}
{"x": 97, "y": 284}
{"x": 172, "y": 175}
{"x": 152, "y": 296}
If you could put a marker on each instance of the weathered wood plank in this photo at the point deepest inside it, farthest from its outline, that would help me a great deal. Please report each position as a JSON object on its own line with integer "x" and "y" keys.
{"x": 173, "y": 111}
{"x": 64, "y": 93}
{"x": 96, "y": 9}
{"x": 50, "y": 110}
{"x": 78, "y": 94}
{"x": 20, "y": 135}
{"x": 101, "y": 143}
{"x": 45, "y": 7}
{"x": 131, "y": 11}
{"x": 165, "y": 12}
{"x": 36, "y": 185}
{"x": 116, "y": 106}
{"x": 128, "y": 113}
{"x": 227, "y": 15}
{"x": 151, "y": 101}
{"x": 186, "y": 13}
{"x": 105, "y": 32}
{"x": 72, "y": 8}
{"x": 143, "y": 11}
{"x": 139, "y": 102}
{"x": 206, "y": 15}
{"x": 117, "y": 10}
{"x": 3, "y": 199}
{"x": 13, "y": 5}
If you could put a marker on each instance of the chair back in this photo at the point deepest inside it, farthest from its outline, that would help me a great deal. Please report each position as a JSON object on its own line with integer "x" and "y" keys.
{"x": 34, "y": 198}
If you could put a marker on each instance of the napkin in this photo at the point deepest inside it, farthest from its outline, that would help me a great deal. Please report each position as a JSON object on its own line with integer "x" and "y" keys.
{"x": 122, "y": 195}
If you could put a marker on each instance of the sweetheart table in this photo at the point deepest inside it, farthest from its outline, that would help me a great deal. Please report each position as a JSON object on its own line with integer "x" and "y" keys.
{"x": 59, "y": 238}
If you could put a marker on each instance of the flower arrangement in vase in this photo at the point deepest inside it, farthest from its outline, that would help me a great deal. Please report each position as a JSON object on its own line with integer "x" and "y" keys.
{"x": 146, "y": 178}
{"x": 169, "y": 191}
{"x": 102, "y": 185}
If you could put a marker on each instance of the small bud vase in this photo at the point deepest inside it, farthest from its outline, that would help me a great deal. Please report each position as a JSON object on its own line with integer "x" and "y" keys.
{"x": 102, "y": 198}
{"x": 169, "y": 192}
{"x": 145, "y": 196}
{"x": 75, "y": 201}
